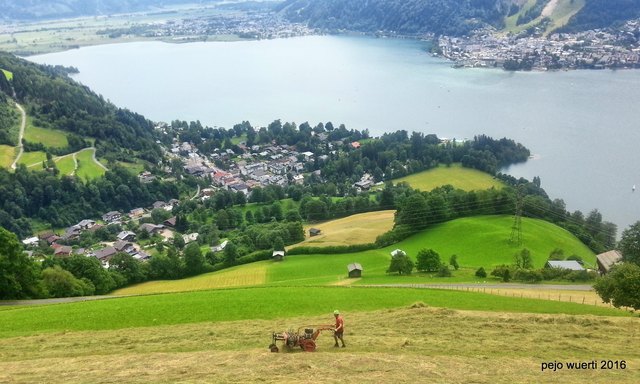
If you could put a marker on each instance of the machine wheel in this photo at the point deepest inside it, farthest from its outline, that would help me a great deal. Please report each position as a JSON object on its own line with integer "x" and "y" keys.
{"x": 274, "y": 348}
{"x": 310, "y": 346}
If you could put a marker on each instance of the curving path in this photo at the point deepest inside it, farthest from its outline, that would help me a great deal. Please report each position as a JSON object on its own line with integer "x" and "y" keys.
{"x": 23, "y": 124}
{"x": 96, "y": 160}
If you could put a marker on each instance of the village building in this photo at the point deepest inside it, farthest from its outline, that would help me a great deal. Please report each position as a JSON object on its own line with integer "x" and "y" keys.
{"x": 398, "y": 252}
{"x": 85, "y": 224}
{"x": 111, "y": 217}
{"x": 354, "y": 270}
{"x": 607, "y": 260}
{"x": 105, "y": 254}
{"x": 126, "y": 236}
{"x": 30, "y": 241}
{"x": 136, "y": 213}
{"x": 219, "y": 247}
{"x": 62, "y": 251}
{"x": 151, "y": 228}
{"x": 171, "y": 222}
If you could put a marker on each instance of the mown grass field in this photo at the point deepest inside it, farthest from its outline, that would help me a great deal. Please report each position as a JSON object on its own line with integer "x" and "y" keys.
{"x": 87, "y": 168}
{"x": 403, "y": 345}
{"x": 461, "y": 178}
{"x": 49, "y": 137}
{"x": 7, "y": 154}
{"x": 356, "y": 229}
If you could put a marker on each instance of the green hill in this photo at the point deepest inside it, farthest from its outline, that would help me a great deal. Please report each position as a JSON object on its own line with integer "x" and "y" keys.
{"x": 467, "y": 179}
{"x": 477, "y": 241}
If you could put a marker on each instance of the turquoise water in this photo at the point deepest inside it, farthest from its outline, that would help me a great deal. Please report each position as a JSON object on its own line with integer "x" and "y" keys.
{"x": 581, "y": 125}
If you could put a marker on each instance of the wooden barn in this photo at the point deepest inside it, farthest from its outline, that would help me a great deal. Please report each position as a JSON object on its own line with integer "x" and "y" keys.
{"x": 607, "y": 260}
{"x": 277, "y": 256}
{"x": 314, "y": 232}
{"x": 355, "y": 270}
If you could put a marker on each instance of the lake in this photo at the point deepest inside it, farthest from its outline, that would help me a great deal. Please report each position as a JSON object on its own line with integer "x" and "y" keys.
{"x": 581, "y": 125}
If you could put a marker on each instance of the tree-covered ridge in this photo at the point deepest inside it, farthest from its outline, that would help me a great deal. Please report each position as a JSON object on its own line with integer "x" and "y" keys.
{"x": 452, "y": 17}
{"x": 8, "y": 118}
{"x": 603, "y": 14}
{"x": 56, "y": 101}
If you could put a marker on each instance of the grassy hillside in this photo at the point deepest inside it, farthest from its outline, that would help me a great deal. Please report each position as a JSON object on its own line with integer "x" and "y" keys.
{"x": 477, "y": 241}
{"x": 559, "y": 12}
{"x": 7, "y": 74}
{"x": 49, "y": 137}
{"x": 466, "y": 179}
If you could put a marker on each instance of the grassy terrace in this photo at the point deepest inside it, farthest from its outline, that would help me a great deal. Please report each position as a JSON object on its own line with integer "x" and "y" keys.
{"x": 87, "y": 168}
{"x": 7, "y": 154}
{"x": 49, "y": 137}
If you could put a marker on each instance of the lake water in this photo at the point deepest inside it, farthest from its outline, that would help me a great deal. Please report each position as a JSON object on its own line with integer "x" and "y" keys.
{"x": 582, "y": 126}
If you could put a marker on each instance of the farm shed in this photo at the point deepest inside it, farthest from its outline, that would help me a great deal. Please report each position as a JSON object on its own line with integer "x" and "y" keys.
{"x": 607, "y": 260}
{"x": 314, "y": 231}
{"x": 565, "y": 264}
{"x": 355, "y": 270}
{"x": 277, "y": 255}
{"x": 398, "y": 252}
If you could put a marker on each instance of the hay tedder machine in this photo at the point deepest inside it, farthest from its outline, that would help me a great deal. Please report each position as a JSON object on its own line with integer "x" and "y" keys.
{"x": 304, "y": 338}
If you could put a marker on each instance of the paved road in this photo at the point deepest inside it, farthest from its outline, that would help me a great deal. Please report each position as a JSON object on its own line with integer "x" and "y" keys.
{"x": 23, "y": 124}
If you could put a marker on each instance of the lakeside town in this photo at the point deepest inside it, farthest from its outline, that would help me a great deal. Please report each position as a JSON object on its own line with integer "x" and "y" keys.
{"x": 594, "y": 49}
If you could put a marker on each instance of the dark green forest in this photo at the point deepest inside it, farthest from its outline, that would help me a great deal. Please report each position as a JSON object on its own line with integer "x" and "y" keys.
{"x": 452, "y": 17}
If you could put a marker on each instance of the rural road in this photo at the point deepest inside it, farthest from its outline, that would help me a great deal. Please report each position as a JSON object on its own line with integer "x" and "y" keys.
{"x": 23, "y": 124}
{"x": 559, "y": 287}
{"x": 54, "y": 301}
{"x": 96, "y": 160}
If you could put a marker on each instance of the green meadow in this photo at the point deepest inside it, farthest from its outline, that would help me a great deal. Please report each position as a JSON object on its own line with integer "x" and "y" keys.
{"x": 7, "y": 154}
{"x": 466, "y": 179}
{"x": 33, "y": 159}
{"x": 259, "y": 303}
{"x": 7, "y": 74}
{"x": 65, "y": 165}
{"x": 87, "y": 168}
{"x": 49, "y": 137}
{"x": 481, "y": 241}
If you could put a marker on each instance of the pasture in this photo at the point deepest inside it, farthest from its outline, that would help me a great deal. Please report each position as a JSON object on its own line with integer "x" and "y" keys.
{"x": 7, "y": 154}
{"x": 362, "y": 228}
{"x": 49, "y": 137}
{"x": 87, "y": 168}
{"x": 459, "y": 177}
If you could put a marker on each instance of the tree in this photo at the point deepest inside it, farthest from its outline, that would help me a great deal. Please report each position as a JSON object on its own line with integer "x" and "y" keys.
{"x": 278, "y": 244}
{"x": 401, "y": 264}
{"x": 18, "y": 274}
{"x": 428, "y": 260}
{"x": 621, "y": 286}
{"x": 556, "y": 254}
{"x": 444, "y": 271}
{"x": 630, "y": 243}
{"x": 523, "y": 259}
{"x": 178, "y": 241}
{"x": 453, "y": 261}
{"x": 61, "y": 283}
{"x": 128, "y": 267}
{"x": 230, "y": 254}
{"x": 193, "y": 259}
{"x": 481, "y": 273}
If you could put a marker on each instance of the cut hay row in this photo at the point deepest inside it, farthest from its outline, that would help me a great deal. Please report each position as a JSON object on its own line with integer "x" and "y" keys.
{"x": 409, "y": 345}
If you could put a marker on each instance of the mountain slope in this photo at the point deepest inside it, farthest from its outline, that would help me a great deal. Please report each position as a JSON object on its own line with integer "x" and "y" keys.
{"x": 603, "y": 14}
{"x": 402, "y": 16}
{"x": 54, "y": 101}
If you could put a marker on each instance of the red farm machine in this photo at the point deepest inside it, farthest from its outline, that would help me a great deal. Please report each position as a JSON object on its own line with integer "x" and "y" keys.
{"x": 304, "y": 338}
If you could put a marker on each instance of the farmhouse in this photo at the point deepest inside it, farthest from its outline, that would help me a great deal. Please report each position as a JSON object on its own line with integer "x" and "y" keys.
{"x": 124, "y": 246}
{"x": 30, "y": 241}
{"x": 85, "y": 224}
{"x": 565, "y": 264}
{"x": 105, "y": 254}
{"x": 314, "y": 232}
{"x": 219, "y": 247}
{"x": 354, "y": 270}
{"x": 151, "y": 228}
{"x": 136, "y": 213}
{"x": 277, "y": 255}
{"x": 171, "y": 222}
{"x": 607, "y": 260}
